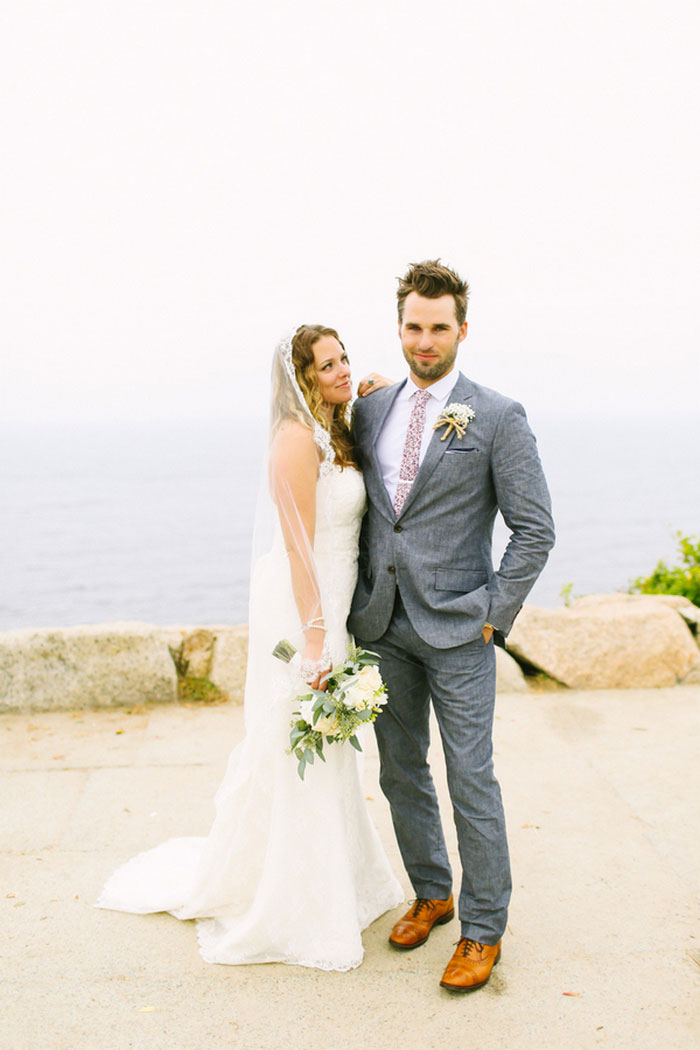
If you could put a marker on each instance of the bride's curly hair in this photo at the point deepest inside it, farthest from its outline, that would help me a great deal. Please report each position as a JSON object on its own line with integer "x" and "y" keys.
{"x": 303, "y": 342}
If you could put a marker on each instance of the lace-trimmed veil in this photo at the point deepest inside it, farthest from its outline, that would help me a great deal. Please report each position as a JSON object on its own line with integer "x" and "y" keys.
{"x": 288, "y": 403}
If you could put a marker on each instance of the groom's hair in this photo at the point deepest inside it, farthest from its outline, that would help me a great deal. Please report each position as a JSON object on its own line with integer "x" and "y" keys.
{"x": 431, "y": 279}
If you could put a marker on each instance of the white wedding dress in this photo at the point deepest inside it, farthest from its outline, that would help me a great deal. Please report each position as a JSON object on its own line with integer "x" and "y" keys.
{"x": 292, "y": 871}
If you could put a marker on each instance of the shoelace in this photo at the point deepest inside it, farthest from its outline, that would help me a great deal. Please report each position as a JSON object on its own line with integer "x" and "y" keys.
{"x": 465, "y": 944}
{"x": 421, "y": 904}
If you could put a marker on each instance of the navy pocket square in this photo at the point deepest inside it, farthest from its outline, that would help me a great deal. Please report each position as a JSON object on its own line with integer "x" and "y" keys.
{"x": 456, "y": 448}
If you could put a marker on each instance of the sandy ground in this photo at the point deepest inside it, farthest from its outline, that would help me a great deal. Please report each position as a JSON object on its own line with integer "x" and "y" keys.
{"x": 602, "y": 793}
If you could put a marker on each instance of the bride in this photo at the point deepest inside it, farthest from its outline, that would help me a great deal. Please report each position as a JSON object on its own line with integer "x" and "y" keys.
{"x": 292, "y": 871}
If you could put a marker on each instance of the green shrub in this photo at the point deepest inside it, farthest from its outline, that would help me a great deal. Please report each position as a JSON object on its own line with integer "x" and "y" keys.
{"x": 681, "y": 579}
{"x": 567, "y": 594}
{"x": 199, "y": 690}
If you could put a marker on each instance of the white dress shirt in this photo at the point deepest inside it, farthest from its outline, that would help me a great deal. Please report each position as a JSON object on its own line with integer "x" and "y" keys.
{"x": 393, "y": 436}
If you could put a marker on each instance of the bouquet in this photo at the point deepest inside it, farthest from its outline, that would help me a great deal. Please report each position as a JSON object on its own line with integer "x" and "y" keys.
{"x": 354, "y": 696}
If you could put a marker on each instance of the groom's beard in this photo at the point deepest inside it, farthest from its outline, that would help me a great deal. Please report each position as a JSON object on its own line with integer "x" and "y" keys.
{"x": 431, "y": 369}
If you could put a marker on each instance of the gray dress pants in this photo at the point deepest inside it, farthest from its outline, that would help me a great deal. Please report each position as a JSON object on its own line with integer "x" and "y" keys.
{"x": 462, "y": 685}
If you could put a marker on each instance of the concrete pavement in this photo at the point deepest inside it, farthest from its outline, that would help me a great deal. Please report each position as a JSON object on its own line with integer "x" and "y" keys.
{"x": 602, "y": 793}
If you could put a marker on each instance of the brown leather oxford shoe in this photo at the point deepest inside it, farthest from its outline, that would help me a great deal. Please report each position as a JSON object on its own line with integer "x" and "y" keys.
{"x": 471, "y": 965}
{"x": 415, "y": 926}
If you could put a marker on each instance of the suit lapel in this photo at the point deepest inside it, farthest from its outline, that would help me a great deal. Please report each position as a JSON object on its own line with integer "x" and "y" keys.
{"x": 375, "y": 481}
{"x": 377, "y": 423}
{"x": 437, "y": 448}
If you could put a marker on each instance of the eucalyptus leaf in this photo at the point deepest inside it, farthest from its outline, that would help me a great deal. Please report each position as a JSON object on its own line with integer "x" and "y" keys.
{"x": 355, "y": 743}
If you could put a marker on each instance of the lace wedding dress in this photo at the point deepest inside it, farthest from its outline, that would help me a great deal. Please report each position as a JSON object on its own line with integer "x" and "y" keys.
{"x": 292, "y": 871}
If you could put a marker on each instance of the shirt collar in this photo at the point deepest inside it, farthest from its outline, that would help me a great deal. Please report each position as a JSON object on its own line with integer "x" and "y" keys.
{"x": 440, "y": 389}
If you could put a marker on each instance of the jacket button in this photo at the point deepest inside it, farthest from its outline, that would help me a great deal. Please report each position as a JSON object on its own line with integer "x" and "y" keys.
{"x": 390, "y": 568}
{"x": 398, "y": 528}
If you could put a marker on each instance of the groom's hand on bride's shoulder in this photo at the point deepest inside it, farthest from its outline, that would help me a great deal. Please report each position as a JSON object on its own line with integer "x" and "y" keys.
{"x": 371, "y": 382}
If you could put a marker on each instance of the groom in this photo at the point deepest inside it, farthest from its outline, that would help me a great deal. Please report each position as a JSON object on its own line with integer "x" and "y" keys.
{"x": 440, "y": 456}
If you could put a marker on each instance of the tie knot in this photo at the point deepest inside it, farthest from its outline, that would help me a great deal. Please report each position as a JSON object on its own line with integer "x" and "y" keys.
{"x": 421, "y": 397}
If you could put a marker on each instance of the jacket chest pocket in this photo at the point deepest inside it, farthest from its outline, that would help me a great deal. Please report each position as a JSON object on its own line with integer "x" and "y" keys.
{"x": 458, "y": 455}
{"x": 462, "y": 465}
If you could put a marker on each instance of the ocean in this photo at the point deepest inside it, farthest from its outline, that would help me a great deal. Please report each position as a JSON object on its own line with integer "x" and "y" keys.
{"x": 152, "y": 521}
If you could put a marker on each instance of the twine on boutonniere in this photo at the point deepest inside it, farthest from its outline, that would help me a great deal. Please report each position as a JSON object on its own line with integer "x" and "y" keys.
{"x": 455, "y": 417}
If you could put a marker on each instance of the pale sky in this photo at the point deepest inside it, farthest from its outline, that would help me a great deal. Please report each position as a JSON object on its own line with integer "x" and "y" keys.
{"x": 182, "y": 182}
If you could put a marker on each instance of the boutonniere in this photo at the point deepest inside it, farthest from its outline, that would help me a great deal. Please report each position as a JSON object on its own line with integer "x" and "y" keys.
{"x": 455, "y": 417}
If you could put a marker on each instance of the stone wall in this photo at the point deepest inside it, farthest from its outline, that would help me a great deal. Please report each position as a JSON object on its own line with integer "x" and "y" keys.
{"x": 120, "y": 664}
{"x": 610, "y": 641}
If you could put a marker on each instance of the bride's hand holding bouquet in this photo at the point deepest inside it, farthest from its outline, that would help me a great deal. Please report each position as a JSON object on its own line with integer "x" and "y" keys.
{"x": 348, "y": 696}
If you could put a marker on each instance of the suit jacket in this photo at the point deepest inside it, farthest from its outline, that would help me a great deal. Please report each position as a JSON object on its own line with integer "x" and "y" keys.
{"x": 438, "y": 550}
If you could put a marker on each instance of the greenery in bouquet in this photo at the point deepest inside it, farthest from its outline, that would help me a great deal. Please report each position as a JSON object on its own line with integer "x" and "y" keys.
{"x": 354, "y": 696}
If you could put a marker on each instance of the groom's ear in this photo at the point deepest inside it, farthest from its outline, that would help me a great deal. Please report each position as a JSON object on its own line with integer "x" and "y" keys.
{"x": 462, "y": 332}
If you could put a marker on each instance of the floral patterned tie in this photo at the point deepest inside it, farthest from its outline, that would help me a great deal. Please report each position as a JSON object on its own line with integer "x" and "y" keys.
{"x": 411, "y": 449}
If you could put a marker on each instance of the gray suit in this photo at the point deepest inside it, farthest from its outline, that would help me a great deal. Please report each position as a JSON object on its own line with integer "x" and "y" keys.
{"x": 426, "y": 586}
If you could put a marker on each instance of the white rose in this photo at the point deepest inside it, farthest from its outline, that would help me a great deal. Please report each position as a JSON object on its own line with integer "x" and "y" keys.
{"x": 370, "y": 678}
{"x": 357, "y": 698}
{"x": 306, "y": 711}
{"x": 326, "y": 725}
{"x": 360, "y": 691}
